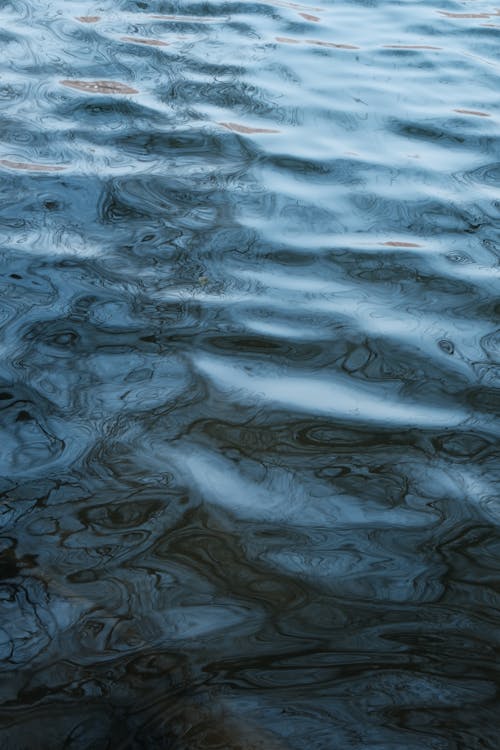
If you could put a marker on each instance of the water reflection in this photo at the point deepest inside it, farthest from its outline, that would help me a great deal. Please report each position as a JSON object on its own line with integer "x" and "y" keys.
{"x": 249, "y": 384}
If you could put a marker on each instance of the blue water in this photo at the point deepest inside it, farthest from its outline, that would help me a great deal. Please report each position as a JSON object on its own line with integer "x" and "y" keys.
{"x": 249, "y": 375}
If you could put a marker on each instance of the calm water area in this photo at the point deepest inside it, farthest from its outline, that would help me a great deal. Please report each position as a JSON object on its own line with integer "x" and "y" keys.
{"x": 249, "y": 375}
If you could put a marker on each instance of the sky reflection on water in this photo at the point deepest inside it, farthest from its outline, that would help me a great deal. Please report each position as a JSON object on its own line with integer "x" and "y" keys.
{"x": 249, "y": 385}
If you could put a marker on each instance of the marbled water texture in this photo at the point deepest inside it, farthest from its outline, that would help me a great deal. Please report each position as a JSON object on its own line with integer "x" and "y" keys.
{"x": 250, "y": 371}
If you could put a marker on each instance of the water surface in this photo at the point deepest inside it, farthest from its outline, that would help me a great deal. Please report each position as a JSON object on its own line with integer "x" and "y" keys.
{"x": 249, "y": 384}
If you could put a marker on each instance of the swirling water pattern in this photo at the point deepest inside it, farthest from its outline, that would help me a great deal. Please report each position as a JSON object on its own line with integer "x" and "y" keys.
{"x": 250, "y": 375}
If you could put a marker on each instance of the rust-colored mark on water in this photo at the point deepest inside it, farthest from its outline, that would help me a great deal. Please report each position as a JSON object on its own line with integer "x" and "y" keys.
{"x": 449, "y": 14}
{"x": 30, "y": 167}
{"x": 475, "y": 112}
{"x": 138, "y": 40}
{"x": 295, "y": 6}
{"x": 397, "y": 243}
{"x": 88, "y": 19}
{"x": 100, "y": 87}
{"x": 185, "y": 19}
{"x": 308, "y": 17}
{"x": 316, "y": 42}
{"x": 237, "y": 128}
{"x": 410, "y": 46}
{"x": 320, "y": 43}
{"x": 490, "y": 25}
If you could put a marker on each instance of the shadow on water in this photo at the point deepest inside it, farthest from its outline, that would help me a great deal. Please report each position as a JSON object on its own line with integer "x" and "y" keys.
{"x": 249, "y": 377}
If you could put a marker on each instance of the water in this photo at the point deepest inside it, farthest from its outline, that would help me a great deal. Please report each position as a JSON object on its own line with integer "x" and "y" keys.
{"x": 250, "y": 374}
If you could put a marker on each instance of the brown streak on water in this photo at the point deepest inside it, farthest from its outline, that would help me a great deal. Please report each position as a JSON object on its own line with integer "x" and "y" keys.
{"x": 237, "y": 128}
{"x": 150, "y": 42}
{"x": 320, "y": 43}
{"x": 100, "y": 87}
{"x": 287, "y": 40}
{"x": 449, "y": 14}
{"x": 185, "y": 19}
{"x": 475, "y": 112}
{"x": 411, "y": 46}
{"x": 30, "y": 167}
{"x": 88, "y": 19}
{"x": 397, "y": 243}
{"x": 308, "y": 17}
{"x": 295, "y": 6}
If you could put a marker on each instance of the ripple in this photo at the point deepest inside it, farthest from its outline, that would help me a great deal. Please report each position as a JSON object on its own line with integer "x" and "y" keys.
{"x": 249, "y": 386}
{"x": 337, "y": 399}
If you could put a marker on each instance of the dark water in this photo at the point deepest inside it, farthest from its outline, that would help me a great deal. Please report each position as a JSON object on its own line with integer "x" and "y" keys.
{"x": 250, "y": 375}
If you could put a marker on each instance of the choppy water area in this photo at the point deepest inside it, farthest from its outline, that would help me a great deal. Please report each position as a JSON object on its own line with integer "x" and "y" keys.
{"x": 250, "y": 373}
